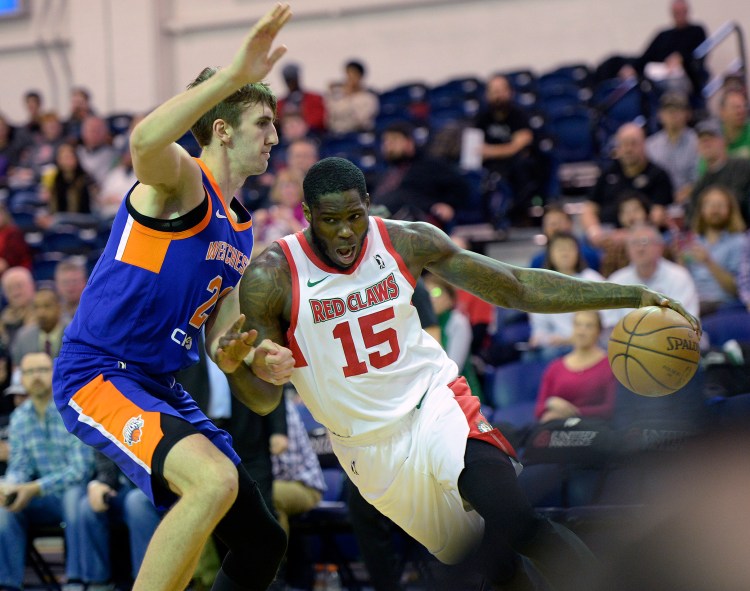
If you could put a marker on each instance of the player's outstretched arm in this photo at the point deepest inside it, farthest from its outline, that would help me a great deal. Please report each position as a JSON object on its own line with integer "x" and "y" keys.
{"x": 264, "y": 295}
{"x": 157, "y": 160}
{"x": 532, "y": 290}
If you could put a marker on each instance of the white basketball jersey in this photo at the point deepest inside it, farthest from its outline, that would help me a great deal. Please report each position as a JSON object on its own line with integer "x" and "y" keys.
{"x": 350, "y": 332}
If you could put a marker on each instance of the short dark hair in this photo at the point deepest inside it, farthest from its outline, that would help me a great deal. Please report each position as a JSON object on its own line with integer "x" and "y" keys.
{"x": 357, "y": 65}
{"x": 402, "y": 127}
{"x": 332, "y": 175}
{"x": 231, "y": 108}
{"x": 35, "y": 94}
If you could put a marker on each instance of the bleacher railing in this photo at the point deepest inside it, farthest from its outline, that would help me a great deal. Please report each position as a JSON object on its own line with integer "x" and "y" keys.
{"x": 737, "y": 67}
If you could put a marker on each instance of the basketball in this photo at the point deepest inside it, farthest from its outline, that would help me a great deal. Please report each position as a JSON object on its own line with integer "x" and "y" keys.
{"x": 653, "y": 351}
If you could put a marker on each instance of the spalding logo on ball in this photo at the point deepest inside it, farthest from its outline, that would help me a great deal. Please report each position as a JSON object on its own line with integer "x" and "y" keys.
{"x": 654, "y": 351}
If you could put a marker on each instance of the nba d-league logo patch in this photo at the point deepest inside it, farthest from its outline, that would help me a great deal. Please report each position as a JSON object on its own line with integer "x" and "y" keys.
{"x": 133, "y": 430}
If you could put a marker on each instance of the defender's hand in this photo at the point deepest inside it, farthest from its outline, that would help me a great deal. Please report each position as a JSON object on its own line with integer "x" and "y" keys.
{"x": 234, "y": 346}
{"x": 252, "y": 63}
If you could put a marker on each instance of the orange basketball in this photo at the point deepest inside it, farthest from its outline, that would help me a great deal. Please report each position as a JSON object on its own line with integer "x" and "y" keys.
{"x": 653, "y": 351}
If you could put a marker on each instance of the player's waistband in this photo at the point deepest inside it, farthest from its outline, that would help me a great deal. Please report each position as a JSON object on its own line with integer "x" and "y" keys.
{"x": 374, "y": 436}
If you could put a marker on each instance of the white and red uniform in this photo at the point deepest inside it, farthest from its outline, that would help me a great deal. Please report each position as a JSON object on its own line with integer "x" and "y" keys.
{"x": 387, "y": 392}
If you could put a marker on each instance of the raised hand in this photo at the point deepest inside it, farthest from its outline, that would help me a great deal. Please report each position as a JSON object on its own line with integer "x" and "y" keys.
{"x": 253, "y": 61}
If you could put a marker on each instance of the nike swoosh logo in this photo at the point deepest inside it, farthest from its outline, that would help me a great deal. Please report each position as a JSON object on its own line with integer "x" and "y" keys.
{"x": 314, "y": 283}
{"x": 220, "y": 215}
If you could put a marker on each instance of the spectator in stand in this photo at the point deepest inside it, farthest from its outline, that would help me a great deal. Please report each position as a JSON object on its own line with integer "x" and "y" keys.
{"x": 555, "y": 219}
{"x": 32, "y": 101}
{"x": 70, "y": 279}
{"x": 96, "y": 153}
{"x": 552, "y": 334}
{"x": 298, "y": 482}
{"x": 301, "y": 154}
{"x": 508, "y": 139}
{"x": 117, "y": 182}
{"x": 80, "y": 108}
{"x": 309, "y": 105}
{"x": 18, "y": 292}
{"x": 712, "y": 251}
{"x": 455, "y": 330}
{"x": 112, "y": 499}
{"x": 67, "y": 188}
{"x": 649, "y": 267}
{"x": 36, "y": 158}
{"x": 14, "y": 251}
{"x": 45, "y": 335}
{"x": 46, "y": 475}
{"x": 720, "y": 169}
{"x": 735, "y": 123}
{"x": 581, "y": 383}
{"x": 415, "y": 186}
{"x": 631, "y": 169}
{"x": 284, "y": 215}
{"x": 743, "y": 277}
{"x": 675, "y": 146}
{"x": 632, "y": 210}
{"x": 350, "y": 105}
{"x": 9, "y": 152}
{"x": 674, "y": 48}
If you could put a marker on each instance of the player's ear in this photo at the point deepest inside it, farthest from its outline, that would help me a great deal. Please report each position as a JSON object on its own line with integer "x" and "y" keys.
{"x": 306, "y": 211}
{"x": 222, "y": 131}
{"x": 366, "y": 201}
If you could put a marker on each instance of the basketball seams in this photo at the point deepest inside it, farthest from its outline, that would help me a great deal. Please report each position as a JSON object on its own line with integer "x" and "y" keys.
{"x": 654, "y": 331}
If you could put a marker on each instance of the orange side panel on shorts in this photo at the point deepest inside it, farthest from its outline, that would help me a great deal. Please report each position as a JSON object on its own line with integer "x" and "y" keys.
{"x": 111, "y": 410}
{"x": 145, "y": 249}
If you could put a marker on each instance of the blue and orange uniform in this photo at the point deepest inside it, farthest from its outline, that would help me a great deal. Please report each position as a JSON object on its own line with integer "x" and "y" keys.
{"x": 140, "y": 314}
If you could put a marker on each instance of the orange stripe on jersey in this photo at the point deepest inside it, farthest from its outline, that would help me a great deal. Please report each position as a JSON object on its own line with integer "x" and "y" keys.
{"x": 391, "y": 249}
{"x": 143, "y": 247}
{"x": 135, "y": 431}
{"x": 215, "y": 186}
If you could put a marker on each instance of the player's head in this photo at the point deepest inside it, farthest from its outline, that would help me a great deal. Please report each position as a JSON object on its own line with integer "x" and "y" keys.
{"x": 231, "y": 108}
{"x": 336, "y": 206}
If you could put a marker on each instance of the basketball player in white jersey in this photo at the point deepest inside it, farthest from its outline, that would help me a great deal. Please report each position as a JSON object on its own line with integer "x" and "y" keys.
{"x": 404, "y": 424}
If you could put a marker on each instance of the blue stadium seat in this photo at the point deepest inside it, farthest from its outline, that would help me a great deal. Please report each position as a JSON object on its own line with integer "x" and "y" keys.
{"x": 571, "y": 130}
{"x": 515, "y": 383}
{"x": 725, "y": 325}
{"x": 119, "y": 123}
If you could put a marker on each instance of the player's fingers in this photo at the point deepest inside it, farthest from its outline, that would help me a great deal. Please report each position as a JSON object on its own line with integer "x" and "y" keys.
{"x": 277, "y": 54}
{"x": 237, "y": 326}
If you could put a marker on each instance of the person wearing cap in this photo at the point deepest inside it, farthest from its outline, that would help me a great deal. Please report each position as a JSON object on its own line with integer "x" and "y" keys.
{"x": 675, "y": 146}
{"x": 735, "y": 123}
{"x": 631, "y": 170}
{"x": 720, "y": 168}
{"x": 350, "y": 105}
{"x": 309, "y": 105}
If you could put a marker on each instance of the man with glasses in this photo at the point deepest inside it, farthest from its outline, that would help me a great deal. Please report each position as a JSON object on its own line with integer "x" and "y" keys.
{"x": 47, "y": 472}
{"x": 645, "y": 248}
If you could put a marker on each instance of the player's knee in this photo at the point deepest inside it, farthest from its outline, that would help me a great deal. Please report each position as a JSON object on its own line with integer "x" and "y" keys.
{"x": 221, "y": 484}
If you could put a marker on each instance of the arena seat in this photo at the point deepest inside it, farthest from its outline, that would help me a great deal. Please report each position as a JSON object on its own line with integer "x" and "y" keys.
{"x": 726, "y": 325}
{"x": 571, "y": 130}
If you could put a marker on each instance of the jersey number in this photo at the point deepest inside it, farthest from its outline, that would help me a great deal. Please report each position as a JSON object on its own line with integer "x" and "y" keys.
{"x": 367, "y": 324}
{"x": 201, "y": 312}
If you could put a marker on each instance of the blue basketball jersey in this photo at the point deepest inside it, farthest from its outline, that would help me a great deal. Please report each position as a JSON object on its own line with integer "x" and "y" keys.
{"x": 158, "y": 281}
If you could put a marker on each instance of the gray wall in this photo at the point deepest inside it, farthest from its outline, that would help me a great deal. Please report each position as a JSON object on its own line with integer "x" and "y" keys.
{"x": 133, "y": 54}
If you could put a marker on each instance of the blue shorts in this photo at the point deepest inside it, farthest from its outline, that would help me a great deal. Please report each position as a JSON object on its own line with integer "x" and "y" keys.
{"x": 124, "y": 413}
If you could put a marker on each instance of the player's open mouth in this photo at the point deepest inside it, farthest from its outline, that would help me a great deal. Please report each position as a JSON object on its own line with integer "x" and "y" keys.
{"x": 346, "y": 254}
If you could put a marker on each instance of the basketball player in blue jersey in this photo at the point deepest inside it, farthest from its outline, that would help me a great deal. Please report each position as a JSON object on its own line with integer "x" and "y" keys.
{"x": 178, "y": 247}
{"x": 403, "y": 423}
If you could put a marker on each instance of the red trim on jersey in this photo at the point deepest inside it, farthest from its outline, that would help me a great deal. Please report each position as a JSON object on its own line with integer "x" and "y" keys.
{"x": 390, "y": 248}
{"x": 472, "y": 409}
{"x": 227, "y": 210}
{"x": 323, "y": 266}
{"x": 299, "y": 358}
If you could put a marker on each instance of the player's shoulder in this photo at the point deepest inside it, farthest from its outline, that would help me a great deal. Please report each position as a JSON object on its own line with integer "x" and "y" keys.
{"x": 417, "y": 238}
{"x": 271, "y": 260}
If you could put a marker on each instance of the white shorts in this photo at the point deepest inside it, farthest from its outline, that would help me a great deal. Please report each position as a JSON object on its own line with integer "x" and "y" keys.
{"x": 411, "y": 476}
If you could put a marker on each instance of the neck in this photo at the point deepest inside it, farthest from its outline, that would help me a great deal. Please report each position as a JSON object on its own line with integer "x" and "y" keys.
{"x": 646, "y": 270}
{"x": 41, "y": 403}
{"x": 716, "y": 163}
{"x": 632, "y": 170}
{"x": 217, "y": 161}
{"x": 674, "y": 134}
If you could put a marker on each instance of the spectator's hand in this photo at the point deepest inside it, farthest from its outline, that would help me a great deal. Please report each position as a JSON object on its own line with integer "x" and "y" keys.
{"x": 443, "y": 211}
{"x": 234, "y": 346}
{"x": 23, "y": 495}
{"x": 653, "y": 298}
{"x": 696, "y": 252}
{"x": 252, "y": 63}
{"x": 272, "y": 363}
{"x": 96, "y": 492}
{"x": 278, "y": 444}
